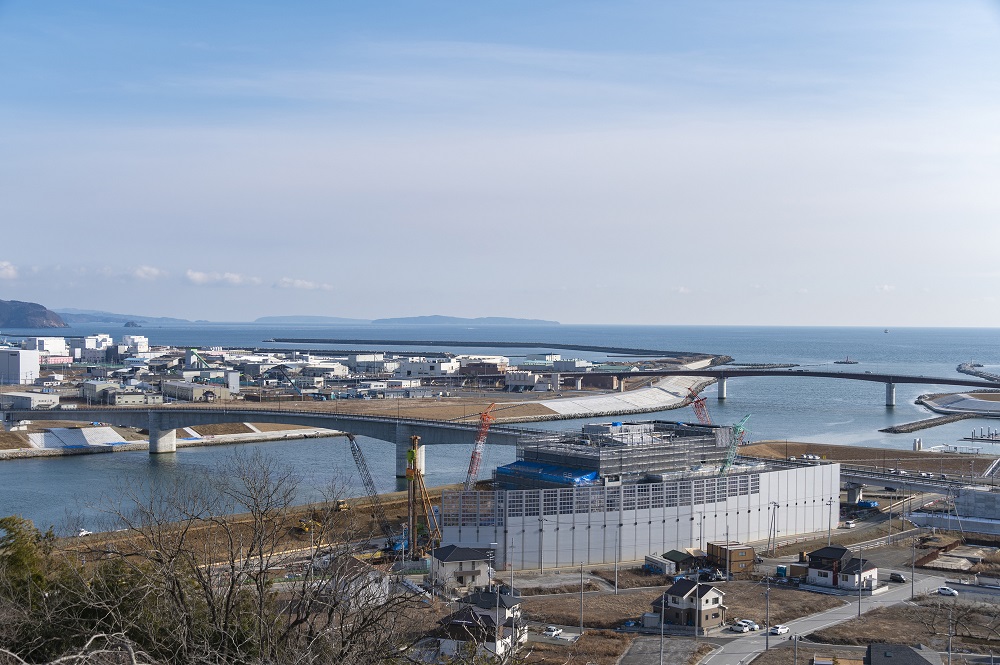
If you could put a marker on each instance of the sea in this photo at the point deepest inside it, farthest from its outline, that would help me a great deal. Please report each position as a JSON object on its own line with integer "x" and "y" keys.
{"x": 70, "y": 493}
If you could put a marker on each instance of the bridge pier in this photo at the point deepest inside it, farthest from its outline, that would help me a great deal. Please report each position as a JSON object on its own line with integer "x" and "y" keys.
{"x": 161, "y": 440}
{"x": 722, "y": 388}
{"x": 890, "y": 393}
{"x": 579, "y": 383}
{"x": 403, "y": 434}
{"x": 854, "y": 494}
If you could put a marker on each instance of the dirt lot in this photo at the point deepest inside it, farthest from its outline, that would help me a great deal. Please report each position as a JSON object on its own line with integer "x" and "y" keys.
{"x": 975, "y": 625}
{"x": 607, "y": 610}
{"x": 13, "y": 440}
{"x": 277, "y": 427}
{"x": 602, "y": 647}
{"x": 880, "y": 458}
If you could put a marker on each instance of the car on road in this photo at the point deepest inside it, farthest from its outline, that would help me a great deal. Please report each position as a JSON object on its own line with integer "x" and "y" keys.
{"x": 947, "y": 591}
{"x": 850, "y": 524}
{"x": 924, "y": 474}
{"x": 779, "y": 629}
{"x": 552, "y": 631}
{"x": 739, "y": 628}
{"x": 749, "y": 624}
{"x": 897, "y": 577}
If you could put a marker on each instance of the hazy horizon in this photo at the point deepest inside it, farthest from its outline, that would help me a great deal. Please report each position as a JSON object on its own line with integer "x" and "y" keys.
{"x": 819, "y": 163}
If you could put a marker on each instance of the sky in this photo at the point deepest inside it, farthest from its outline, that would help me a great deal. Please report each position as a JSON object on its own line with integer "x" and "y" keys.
{"x": 743, "y": 162}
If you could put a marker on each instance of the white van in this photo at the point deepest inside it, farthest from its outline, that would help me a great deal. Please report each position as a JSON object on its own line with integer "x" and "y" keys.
{"x": 850, "y": 524}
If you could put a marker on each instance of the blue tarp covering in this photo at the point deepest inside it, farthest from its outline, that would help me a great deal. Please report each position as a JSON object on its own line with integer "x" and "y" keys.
{"x": 548, "y": 472}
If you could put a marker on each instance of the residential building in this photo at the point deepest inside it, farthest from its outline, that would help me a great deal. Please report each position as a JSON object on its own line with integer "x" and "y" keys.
{"x": 688, "y": 603}
{"x": 454, "y": 568}
{"x": 96, "y": 391}
{"x": 133, "y": 398}
{"x": 488, "y": 622}
{"x": 834, "y": 567}
{"x": 732, "y": 556}
{"x": 19, "y": 366}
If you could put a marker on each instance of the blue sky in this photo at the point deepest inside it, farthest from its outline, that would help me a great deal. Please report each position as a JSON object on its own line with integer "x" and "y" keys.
{"x": 783, "y": 163}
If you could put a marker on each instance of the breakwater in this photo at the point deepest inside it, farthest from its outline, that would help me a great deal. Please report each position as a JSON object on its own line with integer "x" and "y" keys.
{"x": 927, "y": 423}
{"x": 972, "y": 369}
{"x": 657, "y": 353}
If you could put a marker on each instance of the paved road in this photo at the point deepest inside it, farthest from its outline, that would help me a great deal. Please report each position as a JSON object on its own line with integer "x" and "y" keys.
{"x": 737, "y": 651}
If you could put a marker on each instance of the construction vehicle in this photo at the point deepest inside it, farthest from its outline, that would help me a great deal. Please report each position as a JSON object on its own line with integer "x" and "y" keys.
{"x": 393, "y": 543}
{"x": 307, "y": 525}
{"x": 342, "y": 506}
{"x": 486, "y": 418}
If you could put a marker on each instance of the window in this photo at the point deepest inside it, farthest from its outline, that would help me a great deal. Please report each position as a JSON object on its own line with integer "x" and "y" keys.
{"x": 823, "y": 573}
{"x": 715, "y": 601}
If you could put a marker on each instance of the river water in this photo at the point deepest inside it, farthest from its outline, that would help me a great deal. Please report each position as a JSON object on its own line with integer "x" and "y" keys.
{"x": 69, "y": 492}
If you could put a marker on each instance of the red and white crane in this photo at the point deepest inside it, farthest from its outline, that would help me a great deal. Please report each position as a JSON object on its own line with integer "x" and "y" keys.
{"x": 486, "y": 418}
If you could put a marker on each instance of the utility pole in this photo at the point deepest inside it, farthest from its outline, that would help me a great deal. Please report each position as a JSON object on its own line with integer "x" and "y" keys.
{"x": 767, "y": 615}
{"x": 617, "y": 537}
{"x": 581, "y": 599}
{"x": 663, "y": 611}
{"x": 913, "y": 561}
{"x": 829, "y": 521}
{"x": 861, "y": 573}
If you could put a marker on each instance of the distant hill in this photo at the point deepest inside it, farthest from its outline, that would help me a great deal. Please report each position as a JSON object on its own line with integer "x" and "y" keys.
{"x": 308, "y": 320}
{"x": 438, "y": 320}
{"x": 71, "y": 315}
{"x": 18, "y": 314}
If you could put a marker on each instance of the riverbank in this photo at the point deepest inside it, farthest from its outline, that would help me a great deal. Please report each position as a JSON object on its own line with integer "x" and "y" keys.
{"x": 192, "y": 442}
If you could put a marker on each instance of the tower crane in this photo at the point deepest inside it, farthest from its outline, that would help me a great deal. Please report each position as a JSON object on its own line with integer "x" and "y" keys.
{"x": 486, "y": 418}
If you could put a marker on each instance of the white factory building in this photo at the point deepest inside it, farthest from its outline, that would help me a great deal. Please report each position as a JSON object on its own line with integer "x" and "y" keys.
{"x": 601, "y": 524}
{"x": 19, "y": 366}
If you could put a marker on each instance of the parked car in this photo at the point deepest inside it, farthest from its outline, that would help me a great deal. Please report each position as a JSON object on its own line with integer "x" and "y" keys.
{"x": 897, "y": 577}
{"x": 779, "y": 629}
{"x": 750, "y": 624}
{"x": 850, "y": 524}
{"x": 947, "y": 591}
{"x": 552, "y": 631}
{"x": 739, "y": 628}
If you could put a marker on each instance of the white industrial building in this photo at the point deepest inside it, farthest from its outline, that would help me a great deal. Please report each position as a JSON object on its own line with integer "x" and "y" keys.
{"x": 136, "y": 343}
{"x": 428, "y": 367}
{"x": 19, "y": 366}
{"x": 92, "y": 348}
{"x": 548, "y": 528}
{"x": 29, "y": 400}
{"x": 48, "y": 346}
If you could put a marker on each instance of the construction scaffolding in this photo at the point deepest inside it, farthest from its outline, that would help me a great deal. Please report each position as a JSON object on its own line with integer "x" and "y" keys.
{"x": 622, "y": 452}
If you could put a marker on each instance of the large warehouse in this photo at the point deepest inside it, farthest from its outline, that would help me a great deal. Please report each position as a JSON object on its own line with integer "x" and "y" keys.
{"x": 594, "y": 518}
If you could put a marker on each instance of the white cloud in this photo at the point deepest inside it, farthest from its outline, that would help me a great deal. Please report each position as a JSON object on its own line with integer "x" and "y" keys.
{"x": 885, "y": 288}
{"x": 8, "y": 270}
{"x": 680, "y": 289}
{"x": 304, "y": 284}
{"x": 224, "y": 279}
{"x": 148, "y": 273}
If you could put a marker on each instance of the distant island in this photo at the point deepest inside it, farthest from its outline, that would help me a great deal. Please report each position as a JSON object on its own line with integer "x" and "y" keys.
{"x": 71, "y": 316}
{"x": 438, "y": 320}
{"x": 308, "y": 320}
{"x": 19, "y": 314}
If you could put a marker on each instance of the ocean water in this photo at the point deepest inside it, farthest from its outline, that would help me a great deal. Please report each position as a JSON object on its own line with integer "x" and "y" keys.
{"x": 72, "y": 492}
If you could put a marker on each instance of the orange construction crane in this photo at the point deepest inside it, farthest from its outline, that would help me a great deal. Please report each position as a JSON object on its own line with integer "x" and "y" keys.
{"x": 486, "y": 418}
{"x": 700, "y": 409}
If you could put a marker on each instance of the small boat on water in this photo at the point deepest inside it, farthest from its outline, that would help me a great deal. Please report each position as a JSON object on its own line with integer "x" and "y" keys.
{"x": 845, "y": 361}
{"x": 886, "y": 330}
